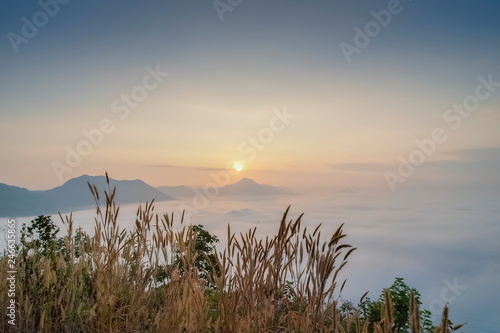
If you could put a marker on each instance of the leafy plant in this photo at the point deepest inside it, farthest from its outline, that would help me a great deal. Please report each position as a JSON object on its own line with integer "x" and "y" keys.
{"x": 41, "y": 234}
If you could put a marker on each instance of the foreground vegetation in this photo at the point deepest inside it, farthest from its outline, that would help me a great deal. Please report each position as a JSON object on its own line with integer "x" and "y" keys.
{"x": 167, "y": 277}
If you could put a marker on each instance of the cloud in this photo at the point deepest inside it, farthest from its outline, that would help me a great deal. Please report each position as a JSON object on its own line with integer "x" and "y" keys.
{"x": 241, "y": 212}
{"x": 473, "y": 165}
{"x": 478, "y": 154}
{"x": 197, "y": 168}
{"x": 460, "y": 160}
{"x": 360, "y": 167}
{"x": 185, "y": 167}
{"x": 358, "y": 207}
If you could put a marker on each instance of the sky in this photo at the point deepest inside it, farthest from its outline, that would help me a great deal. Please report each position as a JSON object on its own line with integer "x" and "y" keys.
{"x": 399, "y": 97}
{"x": 354, "y": 104}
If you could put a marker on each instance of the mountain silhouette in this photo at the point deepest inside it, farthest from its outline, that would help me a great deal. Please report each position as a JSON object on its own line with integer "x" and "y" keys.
{"x": 73, "y": 195}
{"x": 248, "y": 187}
{"x": 244, "y": 187}
{"x": 180, "y": 191}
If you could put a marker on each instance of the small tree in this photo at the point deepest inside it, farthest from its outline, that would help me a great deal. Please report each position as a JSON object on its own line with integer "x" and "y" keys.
{"x": 401, "y": 295}
{"x": 205, "y": 261}
{"x": 41, "y": 235}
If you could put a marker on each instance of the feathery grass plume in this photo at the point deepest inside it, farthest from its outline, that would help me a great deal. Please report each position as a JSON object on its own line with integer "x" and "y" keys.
{"x": 443, "y": 328}
{"x": 148, "y": 279}
{"x": 414, "y": 314}
{"x": 386, "y": 324}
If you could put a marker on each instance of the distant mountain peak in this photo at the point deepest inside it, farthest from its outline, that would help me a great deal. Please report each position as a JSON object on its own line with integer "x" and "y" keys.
{"x": 79, "y": 178}
{"x": 246, "y": 181}
{"x": 242, "y": 188}
{"x": 249, "y": 187}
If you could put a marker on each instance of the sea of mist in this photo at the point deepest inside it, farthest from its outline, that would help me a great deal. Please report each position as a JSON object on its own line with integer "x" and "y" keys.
{"x": 433, "y": 238}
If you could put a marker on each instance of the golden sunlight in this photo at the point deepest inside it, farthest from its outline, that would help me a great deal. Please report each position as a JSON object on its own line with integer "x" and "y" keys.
{"x": 238, "y": 166}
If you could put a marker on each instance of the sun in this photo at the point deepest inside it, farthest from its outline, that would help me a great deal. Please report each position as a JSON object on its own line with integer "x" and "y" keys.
{"x": 238, "y": 166}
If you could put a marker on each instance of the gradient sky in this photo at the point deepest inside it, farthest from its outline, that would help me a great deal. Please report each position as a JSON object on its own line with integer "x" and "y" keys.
{"x": 225, "y": 79}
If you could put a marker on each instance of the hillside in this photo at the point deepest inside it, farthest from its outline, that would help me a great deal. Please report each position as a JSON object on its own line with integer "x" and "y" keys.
{"x": 72, "y": 195}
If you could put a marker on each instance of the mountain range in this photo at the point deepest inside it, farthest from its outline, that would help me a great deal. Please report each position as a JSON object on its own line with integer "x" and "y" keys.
{"x": 72, "y": 195}
{"x": 243, "y": 188}
{"x": 75, "y": 194}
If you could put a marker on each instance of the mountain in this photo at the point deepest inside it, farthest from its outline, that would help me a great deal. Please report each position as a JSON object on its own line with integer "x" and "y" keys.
{"x": 248, "y": 187}
{"x": 72, "y": 195}
{"x": 14, "y": 200}
{"x": 244, "y": 187}
{"x": 180, "y": 191}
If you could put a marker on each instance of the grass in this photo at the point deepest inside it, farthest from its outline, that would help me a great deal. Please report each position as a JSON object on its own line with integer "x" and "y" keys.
{"x": 147, "y": 280}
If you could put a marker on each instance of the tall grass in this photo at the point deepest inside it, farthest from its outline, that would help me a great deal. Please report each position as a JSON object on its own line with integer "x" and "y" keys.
{"x": 146, "y": 280}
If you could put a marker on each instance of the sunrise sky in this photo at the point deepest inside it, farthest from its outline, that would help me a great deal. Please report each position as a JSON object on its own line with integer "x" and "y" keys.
{"x": 227, "y": 79}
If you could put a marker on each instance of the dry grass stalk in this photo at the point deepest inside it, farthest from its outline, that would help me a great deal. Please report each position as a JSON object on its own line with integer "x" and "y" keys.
{"x": 145, "y": 280}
